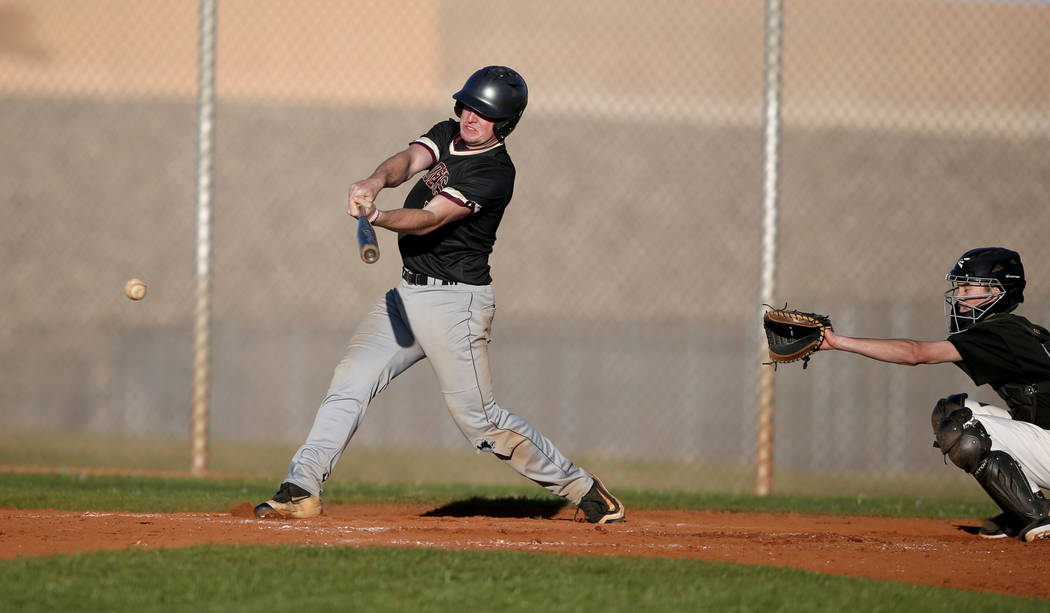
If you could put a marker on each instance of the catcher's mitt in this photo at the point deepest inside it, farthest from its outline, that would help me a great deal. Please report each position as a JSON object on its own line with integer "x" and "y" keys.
{"x": 793, "y": 335}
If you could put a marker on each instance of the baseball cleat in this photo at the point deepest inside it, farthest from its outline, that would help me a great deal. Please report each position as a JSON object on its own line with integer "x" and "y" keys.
{"x": 1039, "y": 529}
{"x": 291, "y": 501}
{"x": 999, "y": 527}
{"x": 599, "y": 506}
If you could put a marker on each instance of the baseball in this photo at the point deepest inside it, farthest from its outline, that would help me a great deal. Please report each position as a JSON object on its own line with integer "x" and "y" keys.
{"x": 135, "y": 289}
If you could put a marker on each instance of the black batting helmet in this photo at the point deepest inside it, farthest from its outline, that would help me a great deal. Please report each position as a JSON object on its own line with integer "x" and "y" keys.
{"x": 991, "y": 267}
{"x": 497, "y": 93}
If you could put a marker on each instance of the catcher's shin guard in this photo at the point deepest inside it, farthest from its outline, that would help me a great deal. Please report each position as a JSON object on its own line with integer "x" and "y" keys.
{"x": 1002, "y": 478}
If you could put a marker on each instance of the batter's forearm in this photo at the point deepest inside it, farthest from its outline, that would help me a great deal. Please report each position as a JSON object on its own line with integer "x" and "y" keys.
{"x": 408, "y": 221}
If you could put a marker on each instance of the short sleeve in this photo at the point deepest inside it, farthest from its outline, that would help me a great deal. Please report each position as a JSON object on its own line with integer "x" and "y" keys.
{"x": 485, "y": 185}
{"x": 438, "y": 138}
{"x": 987, "y": 355}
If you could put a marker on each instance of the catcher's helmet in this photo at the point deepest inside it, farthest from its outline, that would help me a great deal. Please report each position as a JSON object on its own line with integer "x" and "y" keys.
{"x": 992, "y": 268}
{"x": 497, "y": 93}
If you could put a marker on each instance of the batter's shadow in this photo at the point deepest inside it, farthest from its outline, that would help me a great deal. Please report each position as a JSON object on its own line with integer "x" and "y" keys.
{"x": 506, "y": 507}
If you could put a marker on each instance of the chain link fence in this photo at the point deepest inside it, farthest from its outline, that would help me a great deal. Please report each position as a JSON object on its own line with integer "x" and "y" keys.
{"x": 627, "y": 268}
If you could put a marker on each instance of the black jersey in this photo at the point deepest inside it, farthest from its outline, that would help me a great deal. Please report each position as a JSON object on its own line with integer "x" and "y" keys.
{"x": 1012, "y": 355}
{"x": 480, "y": 179}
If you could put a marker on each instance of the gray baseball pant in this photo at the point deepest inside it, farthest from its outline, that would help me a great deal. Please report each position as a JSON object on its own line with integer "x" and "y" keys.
{"x": 450, "y": 325}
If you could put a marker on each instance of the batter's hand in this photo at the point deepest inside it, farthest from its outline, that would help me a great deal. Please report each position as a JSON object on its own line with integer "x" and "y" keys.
{"x": 359, "y": 207}
{"x": 360, "y": 197}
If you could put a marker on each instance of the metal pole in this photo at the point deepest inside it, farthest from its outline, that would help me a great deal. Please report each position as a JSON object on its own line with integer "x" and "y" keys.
{"x": 764, "y": 438}
{"x": 202, "y": 321}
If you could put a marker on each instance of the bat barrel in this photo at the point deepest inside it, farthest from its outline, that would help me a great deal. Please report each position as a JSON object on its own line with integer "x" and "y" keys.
{"x": 367, "y": 242}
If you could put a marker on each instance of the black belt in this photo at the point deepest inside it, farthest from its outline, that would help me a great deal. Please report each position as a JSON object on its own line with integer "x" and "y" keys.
{"x": 418, "y": 278}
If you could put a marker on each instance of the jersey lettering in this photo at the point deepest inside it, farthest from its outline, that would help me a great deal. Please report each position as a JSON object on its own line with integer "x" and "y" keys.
{"x": 437, "y": 178}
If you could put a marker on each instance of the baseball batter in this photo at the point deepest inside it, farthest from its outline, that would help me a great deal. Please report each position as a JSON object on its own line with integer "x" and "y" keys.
{"x": 1006, "y": 450}
{"x": 442, "y": 309}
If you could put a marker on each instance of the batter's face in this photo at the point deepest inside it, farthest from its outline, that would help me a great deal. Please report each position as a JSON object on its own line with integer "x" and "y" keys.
{"x": 475, "y": 129}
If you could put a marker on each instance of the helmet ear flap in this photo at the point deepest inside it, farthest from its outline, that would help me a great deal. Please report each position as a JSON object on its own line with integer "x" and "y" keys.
{"x": 458, "y": 108}
{"x": 505, "y": 127}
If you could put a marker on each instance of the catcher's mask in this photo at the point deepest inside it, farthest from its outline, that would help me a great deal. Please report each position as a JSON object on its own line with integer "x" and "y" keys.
{"x": 997, "y": 270}
{"x": 497, "y": 93}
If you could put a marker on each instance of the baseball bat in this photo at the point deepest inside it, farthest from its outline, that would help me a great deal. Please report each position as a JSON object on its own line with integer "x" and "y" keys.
{"x": 366, "y": 240}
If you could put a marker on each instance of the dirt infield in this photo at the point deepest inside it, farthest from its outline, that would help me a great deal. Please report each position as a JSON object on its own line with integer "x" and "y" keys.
{"x": 921, "y": 551}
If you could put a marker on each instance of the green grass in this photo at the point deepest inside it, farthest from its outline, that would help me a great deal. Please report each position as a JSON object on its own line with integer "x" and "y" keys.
{"x": 171, "y": 494}
{"x": 214, "y": 578}
{"x": 376, "y": 464}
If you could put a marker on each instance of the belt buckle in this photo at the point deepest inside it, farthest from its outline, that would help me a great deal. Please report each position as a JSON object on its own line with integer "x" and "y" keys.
{"x": 414, "y": 278}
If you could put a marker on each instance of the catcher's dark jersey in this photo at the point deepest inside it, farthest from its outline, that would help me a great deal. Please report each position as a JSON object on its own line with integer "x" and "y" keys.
{"x": 481, "y": 179}
{"x": 1012, "y": 355}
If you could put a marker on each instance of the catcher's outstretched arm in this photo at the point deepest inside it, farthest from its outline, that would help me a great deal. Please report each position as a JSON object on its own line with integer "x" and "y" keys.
{"x": 894, "y": 350}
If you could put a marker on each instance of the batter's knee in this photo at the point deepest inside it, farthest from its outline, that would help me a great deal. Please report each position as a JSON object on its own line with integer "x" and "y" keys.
{"x": 501, "y": 443}
{"x": 484, "y": 425}
{"x": 963, "y": 439}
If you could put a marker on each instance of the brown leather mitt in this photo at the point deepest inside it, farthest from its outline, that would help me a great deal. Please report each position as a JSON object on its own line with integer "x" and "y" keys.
{"x": 793, "y": 335}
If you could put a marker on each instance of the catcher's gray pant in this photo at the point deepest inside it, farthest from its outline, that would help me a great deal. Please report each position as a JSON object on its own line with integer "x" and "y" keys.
{"x": 450, "y": 325}
{"x": 1027, "y": 443}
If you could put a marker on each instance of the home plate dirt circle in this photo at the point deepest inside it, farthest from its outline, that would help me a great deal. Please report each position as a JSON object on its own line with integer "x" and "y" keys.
{"x": 935, "y": 552}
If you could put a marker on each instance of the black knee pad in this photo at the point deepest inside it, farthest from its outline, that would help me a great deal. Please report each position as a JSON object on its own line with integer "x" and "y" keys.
{"x": 964, "y": 441}
{"x": 945, "y": 407}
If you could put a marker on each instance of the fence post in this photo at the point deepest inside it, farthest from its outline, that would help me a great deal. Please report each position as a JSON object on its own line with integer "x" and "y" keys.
{"x": 202, "y": 320}
{"x": 771, "y": 142}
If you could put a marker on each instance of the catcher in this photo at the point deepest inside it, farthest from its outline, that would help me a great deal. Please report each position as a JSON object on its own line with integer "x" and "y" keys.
{"x": 1006, "y": 450}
